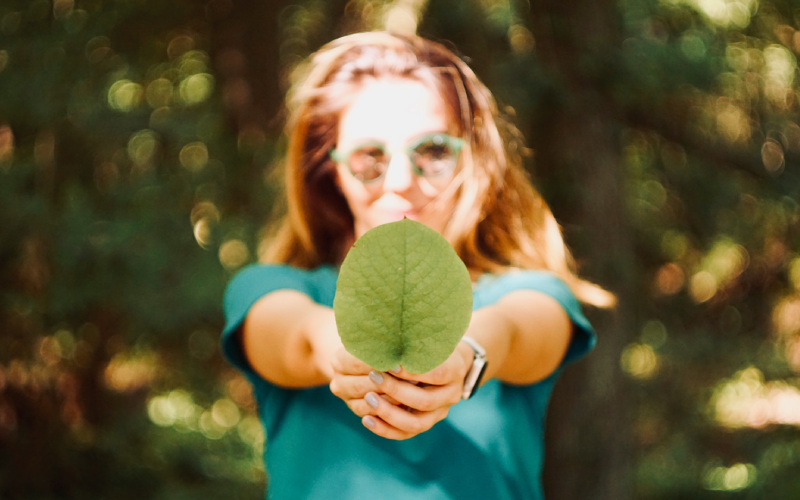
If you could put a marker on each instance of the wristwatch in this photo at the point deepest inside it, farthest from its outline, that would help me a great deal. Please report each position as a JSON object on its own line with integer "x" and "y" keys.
{"x": 475, "y": 373}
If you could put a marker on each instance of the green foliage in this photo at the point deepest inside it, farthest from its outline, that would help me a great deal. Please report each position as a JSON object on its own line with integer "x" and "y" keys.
{"x": 404, "y": 298}
{"x": 115, "y": 207}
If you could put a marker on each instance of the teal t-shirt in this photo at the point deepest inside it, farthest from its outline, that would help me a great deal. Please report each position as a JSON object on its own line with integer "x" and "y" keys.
{"x": 490, "y": 446}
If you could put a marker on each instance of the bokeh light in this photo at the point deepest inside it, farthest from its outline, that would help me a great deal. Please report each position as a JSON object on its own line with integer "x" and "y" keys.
{"x": 780, "y": 66}
{"x": 724, "y": 13}
{"x": 640, "y": 361}
{"x": 734, "y": 478}
{"x": 225, "y": 413}
{"x": 732, "y": 121}
{"x": 203, "y": 232}
{"x": 142, "y": 149}
{"x": 204, "y": 218}
{"x": 772, "y": 156}
{"x": 195, "y": 89}
{"x": 786, "y": 316}
{"x": 670, "y": 279}
{"x": 674, "y": 245}
{"x": 521, "y": 39}
{"x": 654, "y": 334}
{"x": 746, "y": 400}
{"x": 159, "y": 93}
{"x": 703, "y": 286}
{"x": 128, "y": 372}
{"x": 794, "y": 273}
{"x": 251, "y": 431}
{"x": 233, "y": 254}
{"x": 6, "y": 146}
{"x": 63, "y": 8}
{"x": 125, "y": 95}
{"x": 402, "y": 16}
{"x": 693, "y": 46}
{"x": 98, "y": 48}
{"x": 194, "y": 156}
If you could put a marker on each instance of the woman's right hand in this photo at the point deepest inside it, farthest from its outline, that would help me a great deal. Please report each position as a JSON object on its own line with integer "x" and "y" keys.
{"x": 367, "y": 393}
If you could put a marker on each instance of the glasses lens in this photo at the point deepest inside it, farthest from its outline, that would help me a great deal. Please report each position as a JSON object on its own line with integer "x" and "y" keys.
{"x": 435, "y": 156}
{"x": 368, "y": 163}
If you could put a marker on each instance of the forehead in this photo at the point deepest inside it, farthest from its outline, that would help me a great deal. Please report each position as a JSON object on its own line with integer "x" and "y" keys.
{"x": 392, "y": 111}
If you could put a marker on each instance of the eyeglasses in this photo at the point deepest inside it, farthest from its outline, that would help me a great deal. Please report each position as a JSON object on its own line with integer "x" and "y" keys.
{"x": 430, "y": 154}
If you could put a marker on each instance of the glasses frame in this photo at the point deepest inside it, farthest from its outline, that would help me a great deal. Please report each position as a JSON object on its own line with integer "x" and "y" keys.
{"x": 454, "y": 143}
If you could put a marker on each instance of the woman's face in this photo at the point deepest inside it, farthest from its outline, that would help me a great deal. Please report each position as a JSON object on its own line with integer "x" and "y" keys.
{"x": 392, "y": 115}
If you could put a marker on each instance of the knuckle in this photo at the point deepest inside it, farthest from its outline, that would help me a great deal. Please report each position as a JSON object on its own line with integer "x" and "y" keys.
{"x": 389, "y": 385}
{"x": 354, "y": 408}
{"x": 383, "y": 411}
{"x": 364, "y": 386}
{"x": 363, "y": 408}
{"x": 335, "y": 388}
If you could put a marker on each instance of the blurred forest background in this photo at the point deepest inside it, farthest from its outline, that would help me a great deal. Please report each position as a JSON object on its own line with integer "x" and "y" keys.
{"x": 138, "y": 145}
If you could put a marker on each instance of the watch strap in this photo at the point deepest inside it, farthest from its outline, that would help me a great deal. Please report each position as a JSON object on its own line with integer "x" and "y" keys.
{"x": 476, "y": 371}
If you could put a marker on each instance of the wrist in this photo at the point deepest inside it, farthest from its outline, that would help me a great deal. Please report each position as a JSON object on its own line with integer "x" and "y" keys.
{"x": 467, "y": 355}
{"x": 322, "y": 339}
{"x": 495, "y": 332}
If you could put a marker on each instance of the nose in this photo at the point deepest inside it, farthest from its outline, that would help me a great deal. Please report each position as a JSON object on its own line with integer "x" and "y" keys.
{"x": 398, "y": 176}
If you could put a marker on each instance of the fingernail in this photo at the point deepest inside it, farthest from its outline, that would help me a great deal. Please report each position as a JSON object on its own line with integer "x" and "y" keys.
{"x": 372, "y": 400}
{"x": 376, "y": 377}
{"x": 369, "y": 422}
{"x": 395, "y": 370}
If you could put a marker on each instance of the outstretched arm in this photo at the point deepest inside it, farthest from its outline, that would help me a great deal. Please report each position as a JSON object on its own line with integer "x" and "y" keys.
{"x": 291, "y": 340}
{"x": 526, "y": 335}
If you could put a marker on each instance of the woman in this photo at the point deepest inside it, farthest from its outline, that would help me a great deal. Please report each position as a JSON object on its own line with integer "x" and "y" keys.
{"x": 384, "y": 127}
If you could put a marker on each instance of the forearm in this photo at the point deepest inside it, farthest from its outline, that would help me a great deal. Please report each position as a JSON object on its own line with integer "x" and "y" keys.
{"x": 290, "y": 340}
{"x": 526, "y": 335}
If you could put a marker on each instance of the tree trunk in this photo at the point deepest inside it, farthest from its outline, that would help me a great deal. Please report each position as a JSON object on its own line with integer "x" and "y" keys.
{"x": 245, "y": 48}
{"x": 590, "y": 444}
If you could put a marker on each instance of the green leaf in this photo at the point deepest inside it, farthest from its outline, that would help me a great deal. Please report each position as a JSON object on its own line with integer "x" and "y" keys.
{"x": 404, "y": 297}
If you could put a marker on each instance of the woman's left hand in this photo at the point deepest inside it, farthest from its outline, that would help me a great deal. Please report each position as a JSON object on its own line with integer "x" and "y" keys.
{"x": 400, "y": 405}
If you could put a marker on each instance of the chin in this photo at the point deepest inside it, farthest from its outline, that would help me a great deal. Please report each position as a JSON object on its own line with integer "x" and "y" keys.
{"x": 396, "y": 216}
{"x": 387, "y": 217}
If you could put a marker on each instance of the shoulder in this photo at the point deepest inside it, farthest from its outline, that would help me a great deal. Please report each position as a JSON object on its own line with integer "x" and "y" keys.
{"x": 280, "y": 274}
{"x": 257, "y": 280}
{"x": 260, "y": 279}
{"x": 491, "y": 288}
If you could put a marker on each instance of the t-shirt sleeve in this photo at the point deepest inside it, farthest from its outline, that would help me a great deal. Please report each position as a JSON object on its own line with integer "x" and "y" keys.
{"x": 244, "y": 290}
{"x": 583, "y": 335}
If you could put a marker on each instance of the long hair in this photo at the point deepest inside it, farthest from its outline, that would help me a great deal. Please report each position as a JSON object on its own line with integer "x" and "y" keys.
{"x": 499, "y": 223}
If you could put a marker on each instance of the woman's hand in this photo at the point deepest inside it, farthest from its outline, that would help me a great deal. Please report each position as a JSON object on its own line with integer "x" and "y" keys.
{"x": 400, "y": 405}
